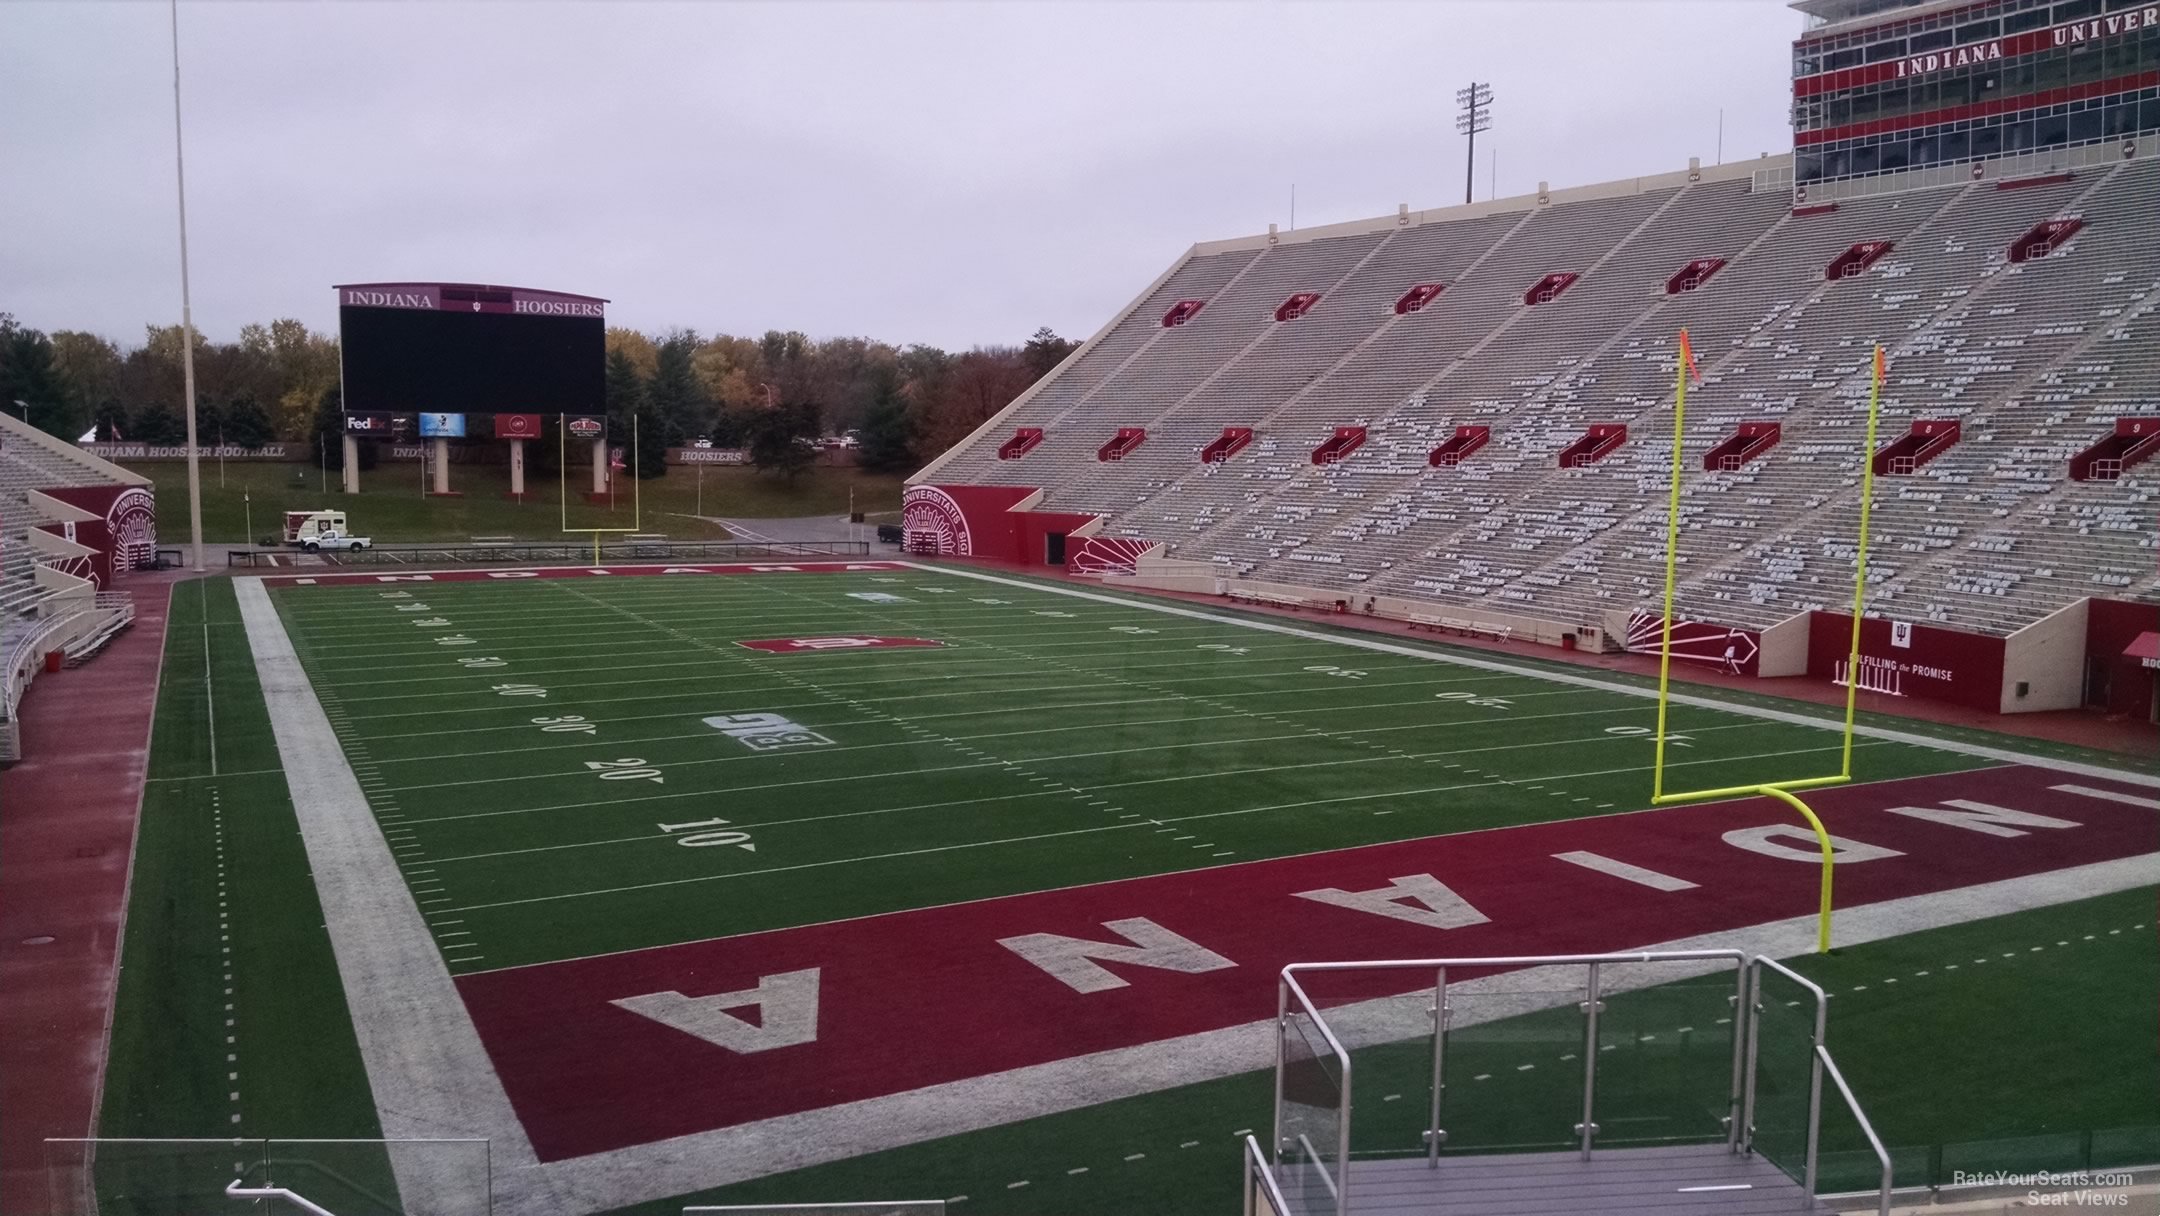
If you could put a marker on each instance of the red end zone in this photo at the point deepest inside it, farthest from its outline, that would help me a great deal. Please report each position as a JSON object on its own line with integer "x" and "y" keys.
{"x": 479, "y": 576}
{"x": 625, "y": 1049}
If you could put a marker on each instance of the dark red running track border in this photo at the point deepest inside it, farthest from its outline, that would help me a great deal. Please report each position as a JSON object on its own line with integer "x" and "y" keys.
{"x": 67, "y": 834}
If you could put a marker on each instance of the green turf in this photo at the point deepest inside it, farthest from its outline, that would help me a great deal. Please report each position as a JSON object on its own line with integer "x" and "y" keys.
{"x": 1258, "y": 744}
{"x": 1176, "y": 727}
{"x": 227, "y": 984}
{"x": 2045, "y": 1046}
{"x": 390, "y": 509}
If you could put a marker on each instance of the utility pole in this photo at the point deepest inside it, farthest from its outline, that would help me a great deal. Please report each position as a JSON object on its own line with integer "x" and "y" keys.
{"x": 1476, "y": 116}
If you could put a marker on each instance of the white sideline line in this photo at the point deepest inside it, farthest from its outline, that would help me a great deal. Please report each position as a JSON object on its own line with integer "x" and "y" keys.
{"x": 425, "y": 1064}
{"x": 1999, "y": 754}
{"x": 209, "y": 684}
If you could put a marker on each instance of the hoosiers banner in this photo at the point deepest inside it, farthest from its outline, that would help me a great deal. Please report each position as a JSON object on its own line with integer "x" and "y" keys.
{"x": 517, "y": 426}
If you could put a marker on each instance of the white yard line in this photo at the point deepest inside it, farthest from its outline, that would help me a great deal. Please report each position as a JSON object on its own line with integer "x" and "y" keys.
{"x": 424, "y": 1061}
{"x": 1155, "y": 822}
{"x": 2000, "y": 754}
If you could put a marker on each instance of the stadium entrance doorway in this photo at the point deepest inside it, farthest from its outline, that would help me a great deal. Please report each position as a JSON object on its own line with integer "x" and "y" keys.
{"x": 1054, "y": 548}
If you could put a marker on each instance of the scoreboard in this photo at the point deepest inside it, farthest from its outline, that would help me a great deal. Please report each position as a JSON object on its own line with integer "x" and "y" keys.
{"x": 421, "y": 349}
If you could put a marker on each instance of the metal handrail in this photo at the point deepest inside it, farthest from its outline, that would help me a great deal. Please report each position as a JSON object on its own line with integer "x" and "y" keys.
{"x": 1257, "y": 1163}
{"x": 1822, "y": 1055}
{"x": 234, "y": 1190}
{"x": 1822, "y": 1014}
{"x": 1525, "y": 960}
{"x": 25, "y": 647}
{"x": 1341, "y": 1185}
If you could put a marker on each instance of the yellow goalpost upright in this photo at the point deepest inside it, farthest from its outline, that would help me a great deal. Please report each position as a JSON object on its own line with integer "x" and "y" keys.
{"x": 562, "y": 474}
{"x": 1780, "y": 790}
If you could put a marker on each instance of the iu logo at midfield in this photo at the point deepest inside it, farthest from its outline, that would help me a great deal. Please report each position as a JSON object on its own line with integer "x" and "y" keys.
{"x": 856, "y": 642}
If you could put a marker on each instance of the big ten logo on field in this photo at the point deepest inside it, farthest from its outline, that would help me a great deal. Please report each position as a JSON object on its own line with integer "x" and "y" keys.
{"x": 766, "y": 732}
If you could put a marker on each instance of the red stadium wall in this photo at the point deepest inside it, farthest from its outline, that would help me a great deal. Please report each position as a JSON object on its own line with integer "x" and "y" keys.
{"x": 93, "y": 534}
{"x": 1910, "y": 660}
{"x": 2116, "y": 682}
{"x": 129, "y": 530}
{"x": 979, "y": 521}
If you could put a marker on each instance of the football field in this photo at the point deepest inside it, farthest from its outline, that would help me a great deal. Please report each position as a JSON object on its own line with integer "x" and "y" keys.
{"x": 792, "y": 852}
{"x": 575, "y": 766}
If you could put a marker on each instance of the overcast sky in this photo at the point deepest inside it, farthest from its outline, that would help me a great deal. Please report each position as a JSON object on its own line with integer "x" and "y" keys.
{"x": 948, "y": 173}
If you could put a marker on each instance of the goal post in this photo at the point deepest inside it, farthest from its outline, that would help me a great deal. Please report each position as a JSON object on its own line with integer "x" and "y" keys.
{"x": 562, "y": 474}
{"x": 1781, "y": 790}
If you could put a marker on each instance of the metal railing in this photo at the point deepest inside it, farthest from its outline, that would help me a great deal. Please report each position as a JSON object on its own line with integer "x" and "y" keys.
{"x": 1260, "y": 1184}
{"x": 1771, "y": 1108}
{"x": 100, "y": 1176}
{"x": 23, "y": 657}
{"x": 1828, "y": 1065}
{"x": 567, "y": 551}
{"x": 234, "y": 1190}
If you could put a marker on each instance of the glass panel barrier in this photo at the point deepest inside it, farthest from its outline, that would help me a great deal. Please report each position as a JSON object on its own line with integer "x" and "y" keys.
{"x": 1311, "y": 1113}
{"x": 1784, "y": 1052}
{"x": 1665, "y": 1054}
{"x": 1514, "y": 1048}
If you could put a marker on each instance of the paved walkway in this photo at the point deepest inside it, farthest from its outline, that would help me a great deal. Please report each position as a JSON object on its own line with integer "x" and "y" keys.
{"x": 67, "y": 832}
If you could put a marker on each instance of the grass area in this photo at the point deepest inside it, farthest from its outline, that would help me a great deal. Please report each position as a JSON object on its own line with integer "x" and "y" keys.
{"x": 231, "y": 1019}
{"x": 2049, "y": 1039}
{"x": 930, "y": 788}
{"x": 390, "y": 509}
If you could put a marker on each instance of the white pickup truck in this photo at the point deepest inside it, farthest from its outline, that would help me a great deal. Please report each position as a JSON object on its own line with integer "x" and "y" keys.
{"x": 333, "y": 540}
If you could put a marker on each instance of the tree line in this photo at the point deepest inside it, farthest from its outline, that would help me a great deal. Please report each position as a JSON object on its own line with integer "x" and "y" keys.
{"x": 773, "y": 395}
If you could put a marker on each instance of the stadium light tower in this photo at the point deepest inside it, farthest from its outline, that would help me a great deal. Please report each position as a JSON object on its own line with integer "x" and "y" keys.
{"x": 1476, "y": 116}
{"x": 187, "y": 317}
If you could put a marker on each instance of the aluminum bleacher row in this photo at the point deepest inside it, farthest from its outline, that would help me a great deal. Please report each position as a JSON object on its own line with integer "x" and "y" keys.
{"x": 34, "y": 617}
{"x": 2033, "y": 358}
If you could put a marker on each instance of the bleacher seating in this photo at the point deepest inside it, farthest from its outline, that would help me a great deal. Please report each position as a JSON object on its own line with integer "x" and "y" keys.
{"x": 2034, "y": 360}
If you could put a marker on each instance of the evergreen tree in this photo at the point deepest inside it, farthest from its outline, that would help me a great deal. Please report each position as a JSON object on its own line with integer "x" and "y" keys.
{"x": 782, "y": 439}
{"x": 27, "y": 375}
{"x": 1045, "y": 351}
{"x": 247, "y": 423}
{"x": 158, "y": 424}
{"x": 625, "y": 392}
{"x": 112, "y": 421}
{"x": 674, "y": 398}
{"x": 887, "y": 434}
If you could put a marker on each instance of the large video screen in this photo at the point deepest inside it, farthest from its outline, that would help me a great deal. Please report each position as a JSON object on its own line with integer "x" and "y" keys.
{"x": 420, "y": 361}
